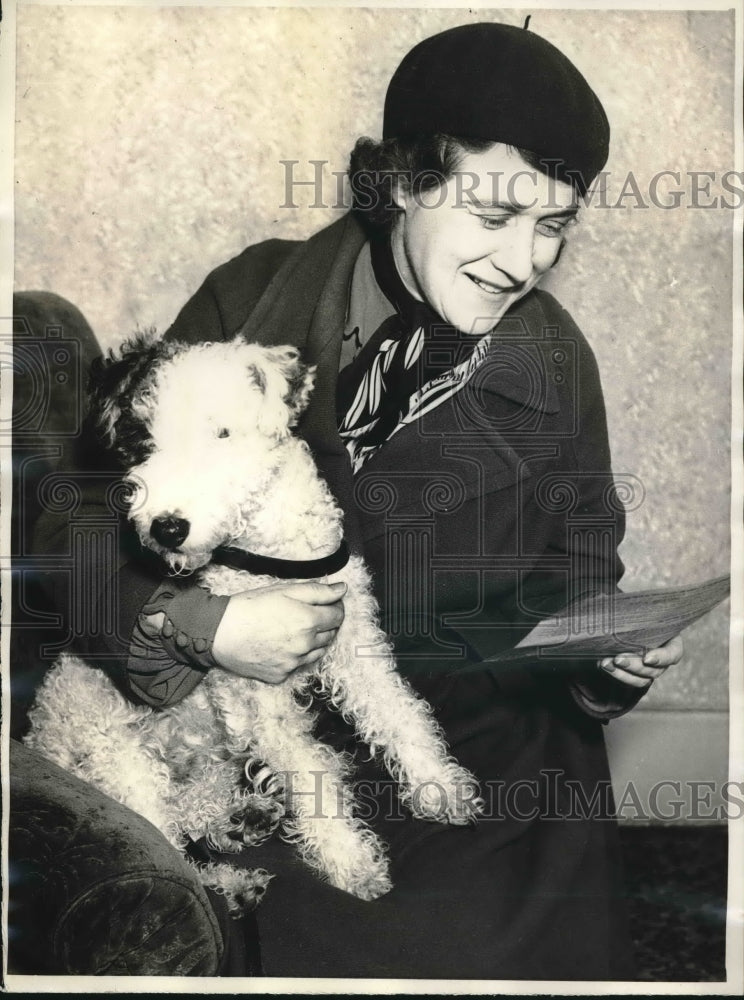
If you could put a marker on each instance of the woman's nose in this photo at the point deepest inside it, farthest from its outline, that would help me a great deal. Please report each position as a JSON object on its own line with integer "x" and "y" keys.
{"x": 514, "y": 254}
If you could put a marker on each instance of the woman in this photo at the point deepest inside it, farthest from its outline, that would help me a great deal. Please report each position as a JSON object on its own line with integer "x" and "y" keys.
{"x": 459, "y": 419}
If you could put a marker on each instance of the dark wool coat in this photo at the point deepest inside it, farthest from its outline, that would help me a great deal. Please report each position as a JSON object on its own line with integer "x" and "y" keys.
{"x": 478, "y": 520}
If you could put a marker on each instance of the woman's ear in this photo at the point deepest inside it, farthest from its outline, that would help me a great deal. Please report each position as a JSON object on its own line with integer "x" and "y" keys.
{"x": 400, "y": 193}
{"x": 561, "y": 248}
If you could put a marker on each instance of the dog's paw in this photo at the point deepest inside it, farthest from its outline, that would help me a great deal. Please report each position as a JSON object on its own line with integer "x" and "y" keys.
{"x": 250, "y": 821}
{"x": 256, "y": 818}
{"x": 221, "y": 837}
{"x": 343, "y": 852}
{"x": 366, "y": 873}
{"x": 450, "y": 797}
{"x": 367, "y": 882}
{"x": 243, "y": 888}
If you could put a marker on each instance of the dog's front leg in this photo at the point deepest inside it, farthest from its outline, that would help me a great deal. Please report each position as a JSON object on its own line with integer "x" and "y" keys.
{"x": 363, "y": 683}
{"x": 322, "y": 824}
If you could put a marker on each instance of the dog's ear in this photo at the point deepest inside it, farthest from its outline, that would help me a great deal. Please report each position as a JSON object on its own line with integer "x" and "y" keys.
{"x": 286, "y": 383}
{"x": 112, "y": 383}
{"x": 300, "y": 380}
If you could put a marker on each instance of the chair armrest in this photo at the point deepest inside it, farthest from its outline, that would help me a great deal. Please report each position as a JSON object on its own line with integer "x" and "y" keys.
{"x": 96, "y": 889}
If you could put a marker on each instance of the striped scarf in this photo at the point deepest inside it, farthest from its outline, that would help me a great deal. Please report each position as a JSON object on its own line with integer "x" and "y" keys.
{"x": 413, "y": 362}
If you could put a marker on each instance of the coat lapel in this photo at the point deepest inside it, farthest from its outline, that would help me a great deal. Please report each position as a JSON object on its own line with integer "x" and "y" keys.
{"x": 305, "y": 305}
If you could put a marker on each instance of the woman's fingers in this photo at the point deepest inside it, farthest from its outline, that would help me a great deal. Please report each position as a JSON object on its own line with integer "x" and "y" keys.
{"x": 322, "y": 639}
{"x": 641, "y": 671}
{"x": 628, "y": 677}
{"x": 630, "y": 664}
{"x": 667, "y": 655}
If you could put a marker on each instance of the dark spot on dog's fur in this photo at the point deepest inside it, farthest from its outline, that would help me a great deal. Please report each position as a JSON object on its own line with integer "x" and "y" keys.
{"x": 114, "y": 382}
{"x": 258, "y": 377}
{"x": 133, "y": 443}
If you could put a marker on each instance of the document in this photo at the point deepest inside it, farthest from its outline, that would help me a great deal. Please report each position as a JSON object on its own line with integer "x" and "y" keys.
{"x": 607, "y": 624}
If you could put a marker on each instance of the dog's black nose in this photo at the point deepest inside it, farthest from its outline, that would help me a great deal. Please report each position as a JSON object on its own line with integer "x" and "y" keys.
{"x": 169, "y": 531}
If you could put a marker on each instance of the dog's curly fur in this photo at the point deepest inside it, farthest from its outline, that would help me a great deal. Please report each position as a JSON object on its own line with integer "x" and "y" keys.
{"x": 204, "y": 434}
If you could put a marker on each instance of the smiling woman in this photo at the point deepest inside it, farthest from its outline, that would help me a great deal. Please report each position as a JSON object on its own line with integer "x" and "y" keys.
{"x": 459, "y": 419}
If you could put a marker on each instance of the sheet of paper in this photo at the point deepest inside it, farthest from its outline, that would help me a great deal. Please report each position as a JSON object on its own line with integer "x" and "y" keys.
{"x": 608, "y": 624}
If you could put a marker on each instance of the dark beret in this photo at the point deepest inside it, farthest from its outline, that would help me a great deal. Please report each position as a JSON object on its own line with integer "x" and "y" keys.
{"x": 506, "y": 84}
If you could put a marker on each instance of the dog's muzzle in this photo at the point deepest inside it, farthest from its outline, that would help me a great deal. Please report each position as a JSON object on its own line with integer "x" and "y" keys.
{"x": 170, "y": 531}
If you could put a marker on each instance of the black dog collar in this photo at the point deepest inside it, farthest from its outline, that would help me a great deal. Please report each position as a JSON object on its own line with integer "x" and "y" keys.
{"x": 285, "y": 569}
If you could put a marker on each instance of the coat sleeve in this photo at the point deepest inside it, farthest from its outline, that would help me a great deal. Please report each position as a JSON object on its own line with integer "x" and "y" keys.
{"x": 593, "y": 554}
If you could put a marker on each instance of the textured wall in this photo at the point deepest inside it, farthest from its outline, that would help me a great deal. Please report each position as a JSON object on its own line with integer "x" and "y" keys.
{"x": 148, "y": 150}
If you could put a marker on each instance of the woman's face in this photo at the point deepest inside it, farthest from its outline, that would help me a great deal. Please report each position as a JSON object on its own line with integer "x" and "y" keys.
{"x": 479, "y": 241}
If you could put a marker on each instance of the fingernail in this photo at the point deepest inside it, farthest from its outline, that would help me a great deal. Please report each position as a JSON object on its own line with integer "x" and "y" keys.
{"x": 622, "y": 662}
{"x": 650, "y": 659}
{"x": 609, "y": 665}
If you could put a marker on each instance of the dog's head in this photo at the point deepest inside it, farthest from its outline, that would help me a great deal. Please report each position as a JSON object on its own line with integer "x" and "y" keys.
{"x": 198, "y": 430}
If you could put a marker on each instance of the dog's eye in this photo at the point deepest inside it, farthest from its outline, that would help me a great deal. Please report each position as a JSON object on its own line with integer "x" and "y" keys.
{"x": 223, "y": 432}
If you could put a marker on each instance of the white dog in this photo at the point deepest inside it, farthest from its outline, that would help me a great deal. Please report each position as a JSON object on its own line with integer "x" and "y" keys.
{"x": 205, "y": 432}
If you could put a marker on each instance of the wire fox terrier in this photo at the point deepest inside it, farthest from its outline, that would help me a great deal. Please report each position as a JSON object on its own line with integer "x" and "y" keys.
{"x": 205, "y": 434}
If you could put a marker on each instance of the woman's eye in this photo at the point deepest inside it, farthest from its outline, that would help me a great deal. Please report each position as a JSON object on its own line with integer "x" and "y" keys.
{"x": 554, "y": 227}
{"x": 549, "y": 228}
{"x": 493, "y": 221}
{"x": 223, "y": 432}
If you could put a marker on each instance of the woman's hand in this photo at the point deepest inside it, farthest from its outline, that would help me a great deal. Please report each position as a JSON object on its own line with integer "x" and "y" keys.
{"x": 629, "y": 668}
{"x": 269, "y": 633}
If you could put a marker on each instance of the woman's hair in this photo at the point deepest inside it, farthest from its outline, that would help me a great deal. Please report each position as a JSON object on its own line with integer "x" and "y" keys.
{"x": 421, "y": 164}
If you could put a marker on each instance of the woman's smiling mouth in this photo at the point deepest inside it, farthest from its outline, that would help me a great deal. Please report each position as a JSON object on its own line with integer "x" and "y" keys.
{"x": 490, "y": 288}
